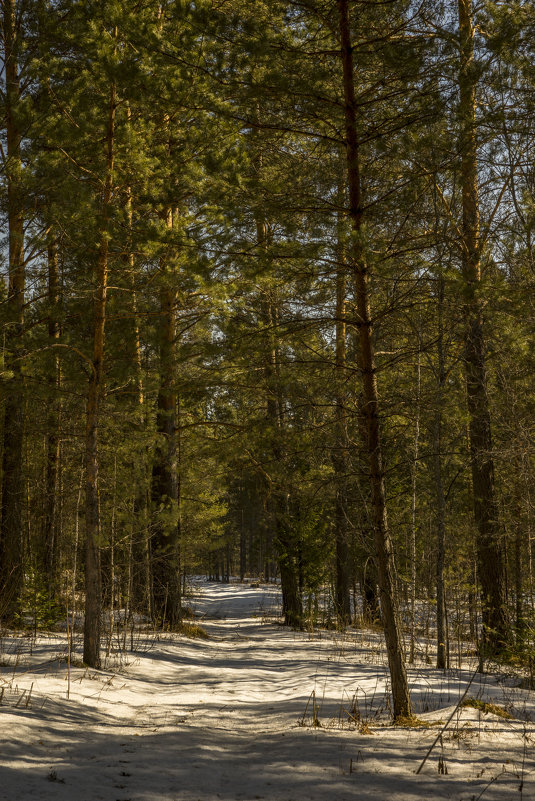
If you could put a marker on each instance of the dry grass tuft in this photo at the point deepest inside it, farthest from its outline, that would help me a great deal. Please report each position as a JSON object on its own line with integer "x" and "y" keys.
{"x": 494, "y": 709}
{"x": 192, "y": 630}
{"x": 411, "y": 722}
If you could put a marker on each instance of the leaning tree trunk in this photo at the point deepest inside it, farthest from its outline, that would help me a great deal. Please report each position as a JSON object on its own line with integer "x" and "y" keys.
{"x": 12, "y": 482}
{"x": 490, "y": 540}
{"x": 370, "y": 406}
{"x": 93, "y": 593}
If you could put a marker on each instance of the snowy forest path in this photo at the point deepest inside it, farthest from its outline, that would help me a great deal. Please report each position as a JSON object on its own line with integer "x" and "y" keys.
{"x": 230, "y": 717}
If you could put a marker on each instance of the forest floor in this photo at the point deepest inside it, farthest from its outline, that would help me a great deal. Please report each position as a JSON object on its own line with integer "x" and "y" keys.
{"x": 235, "y": 716}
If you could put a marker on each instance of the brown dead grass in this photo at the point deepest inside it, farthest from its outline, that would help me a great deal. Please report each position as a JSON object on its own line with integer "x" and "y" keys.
{"x": 485, "y": 707}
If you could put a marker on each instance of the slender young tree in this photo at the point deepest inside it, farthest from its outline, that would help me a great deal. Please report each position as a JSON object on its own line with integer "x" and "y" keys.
{"x": 439, "y": 484}
{"x": 370, "y": 406}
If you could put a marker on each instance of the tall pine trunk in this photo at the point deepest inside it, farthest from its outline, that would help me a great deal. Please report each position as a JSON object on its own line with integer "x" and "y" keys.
{"x": 414, "y": 476}
{"x": 138, "y": 559}
{"x": 490, "y": 539}
{"x": 284, "y": 540}
{"x": 280, "y": 525}
{"x": 50, "y": 533}
{"x": 370, "y": 405}
{"x": 340, "y": 452}
{"x": 442, "y": 654}
{"x": 93, "y": 591}
{"x": 165, "y": 535}
{"x": 12, "y": 481}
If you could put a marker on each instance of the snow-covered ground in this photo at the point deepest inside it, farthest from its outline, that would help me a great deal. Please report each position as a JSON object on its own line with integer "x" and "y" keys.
{"x": 231, "y": 717}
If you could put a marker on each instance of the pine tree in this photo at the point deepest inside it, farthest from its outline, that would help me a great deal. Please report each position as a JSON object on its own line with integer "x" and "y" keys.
{"x": 13, "y": 26}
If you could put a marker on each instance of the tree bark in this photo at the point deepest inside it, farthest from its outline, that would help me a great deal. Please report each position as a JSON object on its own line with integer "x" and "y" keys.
{"x": 519, "y": 562}
{"x": 416, "y": 453}
{"x": 439, "y": 485}
{"x": 285, "y": 539}
{"x": 370, "y": 407}
{"x": 165, "y": 537}
{"x": 139, "y": 562}
{"x": 50, "y": 535}
{"x": 93, "y": 590}
{"x": 12, "y": 482}
{"x": 339, "y": 459}
{"x": 490, "y": 539}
